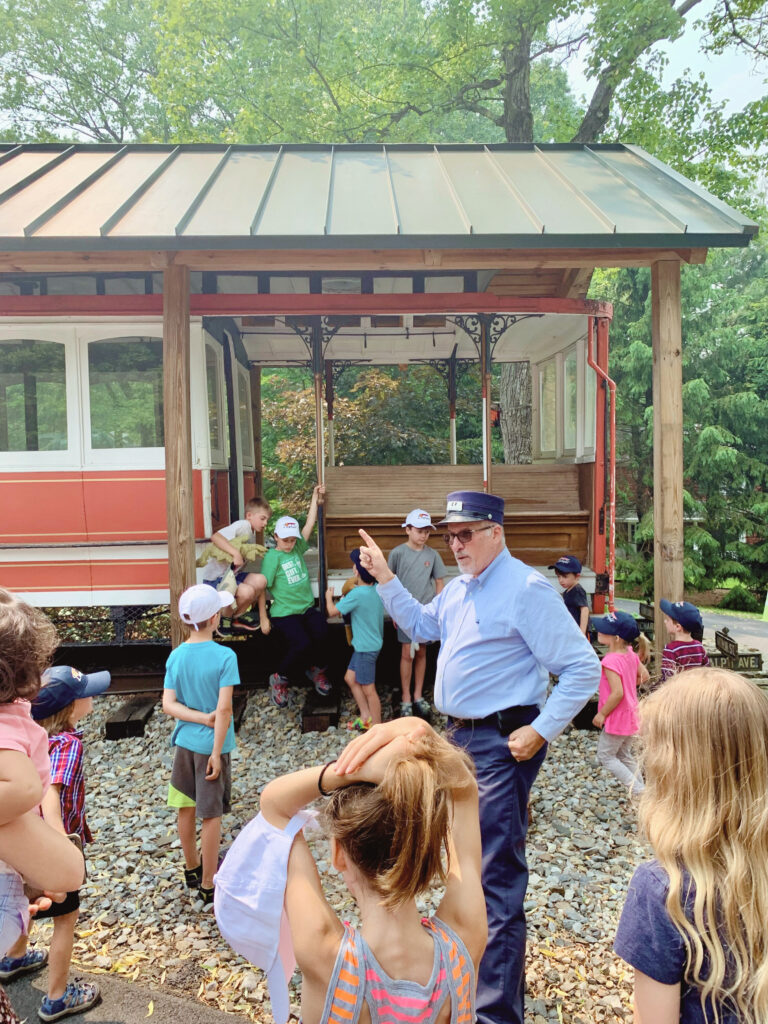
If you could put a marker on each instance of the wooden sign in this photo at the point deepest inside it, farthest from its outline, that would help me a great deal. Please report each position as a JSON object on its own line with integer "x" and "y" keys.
{"x": 726, "y": 644}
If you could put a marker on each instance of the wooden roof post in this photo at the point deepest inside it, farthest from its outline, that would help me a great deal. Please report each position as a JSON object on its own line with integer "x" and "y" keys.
{"x": 178, "y": 440}
{"x": 667, "y": 437}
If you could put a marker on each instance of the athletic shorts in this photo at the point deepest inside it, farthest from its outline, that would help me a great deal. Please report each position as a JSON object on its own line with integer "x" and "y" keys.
{"x": 190, "y": 788}
{"x": 363, "y": 664}
{"x": 239, "y": 578}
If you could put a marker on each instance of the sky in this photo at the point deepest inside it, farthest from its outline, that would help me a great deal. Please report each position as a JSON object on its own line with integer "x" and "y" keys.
{"x": 732, "y": 76}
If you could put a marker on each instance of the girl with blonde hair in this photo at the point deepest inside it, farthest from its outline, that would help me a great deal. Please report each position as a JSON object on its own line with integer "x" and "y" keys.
{"x": 402, "y": 814}
{"x": 694, "y": 921}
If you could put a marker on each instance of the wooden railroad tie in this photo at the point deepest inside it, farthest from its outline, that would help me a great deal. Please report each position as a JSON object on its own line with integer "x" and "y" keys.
{"x": 130, "y": 719}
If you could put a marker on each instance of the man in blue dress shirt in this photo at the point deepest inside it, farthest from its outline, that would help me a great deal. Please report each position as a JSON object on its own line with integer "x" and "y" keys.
{"x": 503, "y": 628}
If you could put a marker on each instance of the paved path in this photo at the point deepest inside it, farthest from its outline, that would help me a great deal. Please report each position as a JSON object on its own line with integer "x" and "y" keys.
{"x": 746, "y": 632}
{"x": 123, "y": 1002}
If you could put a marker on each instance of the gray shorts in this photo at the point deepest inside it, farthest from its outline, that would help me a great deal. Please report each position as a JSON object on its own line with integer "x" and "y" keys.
{"x": 190, "y": 788}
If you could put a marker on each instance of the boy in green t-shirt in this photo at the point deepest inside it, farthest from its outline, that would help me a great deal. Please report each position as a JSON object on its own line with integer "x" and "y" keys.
{"x": 293, "y": 612}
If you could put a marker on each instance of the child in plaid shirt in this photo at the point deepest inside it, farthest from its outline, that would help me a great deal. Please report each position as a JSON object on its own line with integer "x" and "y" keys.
{"x": 66, "y": 697}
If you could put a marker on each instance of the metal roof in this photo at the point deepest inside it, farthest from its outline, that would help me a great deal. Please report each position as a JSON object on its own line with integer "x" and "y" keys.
{"x": 107, "y": 197}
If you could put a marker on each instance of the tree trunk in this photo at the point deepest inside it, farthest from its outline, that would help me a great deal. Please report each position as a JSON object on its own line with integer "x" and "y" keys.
{"x": 515, "y": 399}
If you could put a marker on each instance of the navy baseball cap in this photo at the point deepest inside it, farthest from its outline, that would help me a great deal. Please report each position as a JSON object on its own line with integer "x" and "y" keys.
{"x": 365, "y": 576}
{"x": 566, "y": 563}
{"x": 617, "y": 624}
{"x": 62, "y": 685}
{"x": 687, "y": 614}
{"x": 472, "y": 507}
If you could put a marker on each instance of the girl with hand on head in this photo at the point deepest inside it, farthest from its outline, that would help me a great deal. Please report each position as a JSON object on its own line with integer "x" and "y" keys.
{"x": 694, "y": 921}
{"x": 399, "y": 797}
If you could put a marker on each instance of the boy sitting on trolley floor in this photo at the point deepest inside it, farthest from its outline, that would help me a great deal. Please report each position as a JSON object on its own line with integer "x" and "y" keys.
{"x": 257, "y": 513}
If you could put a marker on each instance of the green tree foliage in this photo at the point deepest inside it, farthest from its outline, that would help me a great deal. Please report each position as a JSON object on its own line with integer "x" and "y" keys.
{"x": 725, "y": 403}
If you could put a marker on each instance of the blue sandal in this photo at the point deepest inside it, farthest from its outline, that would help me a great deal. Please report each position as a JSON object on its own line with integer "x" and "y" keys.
{"x": 12, "y": 967}
{"x": 78, "y": 997}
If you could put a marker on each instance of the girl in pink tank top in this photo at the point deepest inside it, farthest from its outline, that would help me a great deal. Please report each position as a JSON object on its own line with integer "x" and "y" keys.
{"x": 399, "y": 798}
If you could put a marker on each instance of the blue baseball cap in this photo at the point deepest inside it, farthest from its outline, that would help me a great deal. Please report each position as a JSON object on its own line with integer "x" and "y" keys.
{"x": 472, "y": 507}
{"x": 62, "y": 685}
{"x": 365, "y": 576}
{"x": 566, "y": 563}
{"x": 687, "y": 614}
{"x": 617, "y": 624}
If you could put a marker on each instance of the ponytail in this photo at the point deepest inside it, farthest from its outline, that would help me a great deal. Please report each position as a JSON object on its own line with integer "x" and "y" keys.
{"x": 642, "y": 646}
{"x": 395, "y": 833}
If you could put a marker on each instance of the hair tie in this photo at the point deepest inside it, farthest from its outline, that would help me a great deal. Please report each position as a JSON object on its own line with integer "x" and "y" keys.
{"x": 320, "y": 779}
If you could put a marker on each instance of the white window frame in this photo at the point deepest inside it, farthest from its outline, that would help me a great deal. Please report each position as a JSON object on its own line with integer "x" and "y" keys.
{"x": 218, "y": 456}
{"x": 71, "y": 456}
{"x": 113, "y": 458}
{"x": 245, "y": 445}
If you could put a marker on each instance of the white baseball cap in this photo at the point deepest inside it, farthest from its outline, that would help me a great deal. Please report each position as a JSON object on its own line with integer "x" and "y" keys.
{"x": 199, "y": 603}
{"x": 419, "y": 518}
{"x": 287, "y": 526}
{"x": 249, "y": 902}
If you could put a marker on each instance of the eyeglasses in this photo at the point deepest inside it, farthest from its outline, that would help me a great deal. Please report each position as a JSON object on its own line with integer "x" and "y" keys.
{"x": 465, "y": 536}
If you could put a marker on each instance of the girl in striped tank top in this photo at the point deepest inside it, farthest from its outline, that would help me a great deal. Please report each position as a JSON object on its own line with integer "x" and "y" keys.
{"x": 400, "y": 797}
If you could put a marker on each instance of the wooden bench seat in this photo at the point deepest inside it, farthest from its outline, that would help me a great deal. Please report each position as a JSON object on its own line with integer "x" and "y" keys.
{"x": 544, "y": 513}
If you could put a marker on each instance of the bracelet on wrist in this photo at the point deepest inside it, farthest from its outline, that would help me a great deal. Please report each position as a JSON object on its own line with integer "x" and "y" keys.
{"x": 320, "y": 778}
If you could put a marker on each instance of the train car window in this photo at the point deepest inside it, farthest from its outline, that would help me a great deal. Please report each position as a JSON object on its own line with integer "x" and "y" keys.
{"x": 285, "y": 285}
{"x": 125, "y": 285}
{"x": 570, "y": 388}
{"x": 590, "y": 403}
{"x": 71, "y": 284}
{"x": 125, "y": 383}
{"x": 246, "y": 422}
{"x": 33, "y": 397}
{"x": 548, "y": 406}
{"x": 213, "y": 384}
{"x": 237, "y": 284}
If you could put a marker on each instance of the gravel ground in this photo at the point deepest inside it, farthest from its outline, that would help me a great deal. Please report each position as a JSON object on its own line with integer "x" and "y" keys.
{"x": 138, "y": 921}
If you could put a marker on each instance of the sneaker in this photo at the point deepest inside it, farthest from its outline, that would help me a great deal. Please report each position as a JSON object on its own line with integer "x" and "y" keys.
{"x": 278, "y": 690}
{"x": 320, "y": 679}
{"x": 193, "y": 877}
{"x": 406, "y": 709}
{"x": 225, "y": 628}
{"x": 243, "y": 624}
{"x": 423, "y": 708}
{"x": 358, "y": 725}
{"x": 206, "y": 895}
{"x": 12, "y": 967}
{"x": 78, "y": 997}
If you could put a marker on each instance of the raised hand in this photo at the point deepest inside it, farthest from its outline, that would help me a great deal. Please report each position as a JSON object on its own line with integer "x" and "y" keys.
{"x": 372, "y": 558}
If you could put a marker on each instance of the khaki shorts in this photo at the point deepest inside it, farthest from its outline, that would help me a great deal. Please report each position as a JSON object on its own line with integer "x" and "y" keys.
{"x": 190, "y": 788}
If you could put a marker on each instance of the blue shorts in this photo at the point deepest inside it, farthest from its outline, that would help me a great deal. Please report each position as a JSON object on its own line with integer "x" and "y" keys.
{"x": 363, "y": 664}
{"x": 239, "y": 577}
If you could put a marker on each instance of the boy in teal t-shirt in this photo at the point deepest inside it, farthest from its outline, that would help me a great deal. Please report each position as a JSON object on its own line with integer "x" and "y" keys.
{"x": 293, "y": 613}
{"x": 364, "y": 605}
{"x": 200, "y": 676}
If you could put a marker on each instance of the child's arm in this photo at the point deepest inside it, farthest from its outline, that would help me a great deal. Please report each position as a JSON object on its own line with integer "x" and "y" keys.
{"x": 222, "y": 718}
{"x": 330, "y": 606}
{"x": 584, "y": 619}
{"x": 20, "y": 785}
{"x": 655, "y": 1002}
{"x": 52, "y": 808}
{"x": 174, "y": 708}
{"x": 643, "y": 675}
{"x": 318, "y": 495}
{"x": 235, "y": 556}
{"x": 264, "y": 620}
{"x": 614, "y": 697}
{"x": 439, "y": 584}
{"x": 45, "y": 859}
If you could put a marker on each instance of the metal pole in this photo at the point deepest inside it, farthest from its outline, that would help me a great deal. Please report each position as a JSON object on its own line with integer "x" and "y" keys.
{"x": 485, "y": 373}
{"x": 317, "y": 373}
{"x": 452, "y": 403}
{"x": 329, "y": 408}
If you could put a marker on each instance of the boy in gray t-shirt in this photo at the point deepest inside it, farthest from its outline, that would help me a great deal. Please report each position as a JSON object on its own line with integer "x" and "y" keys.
{"x": 421, "y": 571}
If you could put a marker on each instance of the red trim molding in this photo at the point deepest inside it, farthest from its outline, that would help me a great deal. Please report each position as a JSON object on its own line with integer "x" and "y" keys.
{"x": 297, "y": 305}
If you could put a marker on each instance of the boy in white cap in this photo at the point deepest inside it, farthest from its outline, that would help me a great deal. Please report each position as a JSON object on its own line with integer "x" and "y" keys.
{"x": 421, "y": 571}
{"x": 200, "y": 676}
{"x": 293, "y": 612}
